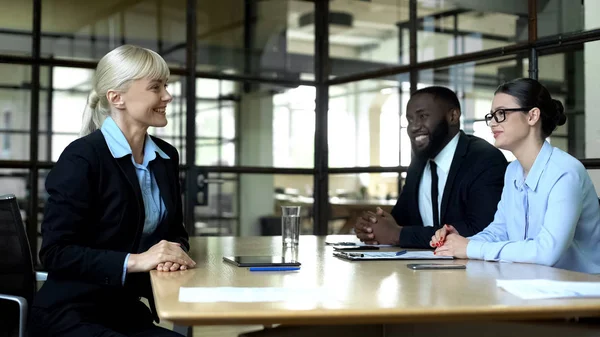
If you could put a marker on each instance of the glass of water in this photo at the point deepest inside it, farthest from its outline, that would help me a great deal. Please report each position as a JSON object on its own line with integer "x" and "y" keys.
{"x": 290, "y": 225}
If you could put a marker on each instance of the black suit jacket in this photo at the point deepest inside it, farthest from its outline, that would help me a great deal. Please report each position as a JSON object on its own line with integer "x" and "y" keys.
{"x": 470, "y": 198}
{"x": 94, "y": 217}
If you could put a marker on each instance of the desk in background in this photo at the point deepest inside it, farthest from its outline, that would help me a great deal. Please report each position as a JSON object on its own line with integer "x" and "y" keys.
{"x": 341, "y": 208}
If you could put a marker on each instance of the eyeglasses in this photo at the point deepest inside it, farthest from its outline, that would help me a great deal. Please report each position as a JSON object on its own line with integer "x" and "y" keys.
{"x": 500, "y": 115}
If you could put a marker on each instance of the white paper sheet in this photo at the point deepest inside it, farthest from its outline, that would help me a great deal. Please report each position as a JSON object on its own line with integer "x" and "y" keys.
{"x": 242, "y": 294}
{"x": 542, "y": 289}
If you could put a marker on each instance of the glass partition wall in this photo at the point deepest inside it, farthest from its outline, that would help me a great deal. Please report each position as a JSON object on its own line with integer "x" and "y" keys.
{"x": 287, "y": 101}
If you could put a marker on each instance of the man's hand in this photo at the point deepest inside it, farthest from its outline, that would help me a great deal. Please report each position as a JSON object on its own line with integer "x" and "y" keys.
{"x": 363, "y": 228}
{"x": 386, "y": 231}
{"x": 377, "y": 228}
{"x": 160, "y": 254}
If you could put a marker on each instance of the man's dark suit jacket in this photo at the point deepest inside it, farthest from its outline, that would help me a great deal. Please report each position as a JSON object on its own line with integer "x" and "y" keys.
{"x": 94, "y": 217}
{"x": 470, "y": 198}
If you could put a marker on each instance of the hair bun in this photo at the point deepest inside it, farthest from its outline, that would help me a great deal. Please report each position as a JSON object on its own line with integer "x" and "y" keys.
{"x": 560, "y": 118}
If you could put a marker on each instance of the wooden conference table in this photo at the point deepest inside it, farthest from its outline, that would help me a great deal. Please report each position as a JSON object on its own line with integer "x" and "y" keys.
{"x": 368, "y": 292}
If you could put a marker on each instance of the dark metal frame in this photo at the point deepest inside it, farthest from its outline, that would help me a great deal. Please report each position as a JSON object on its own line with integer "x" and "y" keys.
{"x": 321, "y": 177}
{"x": 191, "y": 186}
{"x": 322, "y": 82}
{"x": 32, "y": 220}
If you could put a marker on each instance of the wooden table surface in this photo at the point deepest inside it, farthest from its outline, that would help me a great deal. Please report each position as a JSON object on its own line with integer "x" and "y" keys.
{"x": 367, "y": 292}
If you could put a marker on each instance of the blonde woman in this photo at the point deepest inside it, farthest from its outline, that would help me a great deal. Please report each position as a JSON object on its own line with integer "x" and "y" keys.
{"x": 114, "y": 209}
{"x": 548, "y": 213}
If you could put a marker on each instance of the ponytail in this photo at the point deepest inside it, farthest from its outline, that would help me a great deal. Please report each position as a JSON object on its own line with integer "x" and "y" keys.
{"x": 93, "y": 115}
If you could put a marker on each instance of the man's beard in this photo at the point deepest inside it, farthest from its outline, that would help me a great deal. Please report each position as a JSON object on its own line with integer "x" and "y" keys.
{"x": 436, "y": 141}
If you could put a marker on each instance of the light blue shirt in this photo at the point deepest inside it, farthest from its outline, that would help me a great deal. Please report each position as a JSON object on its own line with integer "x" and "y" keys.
{"x": 154, "y": 207}
{"x": 551, "y": 217}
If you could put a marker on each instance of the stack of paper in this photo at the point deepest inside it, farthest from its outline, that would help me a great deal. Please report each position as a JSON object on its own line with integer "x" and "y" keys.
{"x": 541, "y": 289}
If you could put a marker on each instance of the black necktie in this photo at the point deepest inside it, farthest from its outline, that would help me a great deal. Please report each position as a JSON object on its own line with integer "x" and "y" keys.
{"x": 434, "y": 194}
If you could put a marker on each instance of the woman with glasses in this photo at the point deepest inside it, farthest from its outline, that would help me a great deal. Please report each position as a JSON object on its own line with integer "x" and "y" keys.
{"x": 548, "y": 213}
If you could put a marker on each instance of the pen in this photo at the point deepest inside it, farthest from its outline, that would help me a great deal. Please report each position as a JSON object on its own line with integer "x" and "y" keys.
{"x": 401, "y": 252}
{"x": 355, "y": 254}
{"x": 273, "y": 268}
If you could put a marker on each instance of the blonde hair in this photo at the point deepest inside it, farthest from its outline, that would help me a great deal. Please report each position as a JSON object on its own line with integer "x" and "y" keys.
{"x": 115, "y": 71}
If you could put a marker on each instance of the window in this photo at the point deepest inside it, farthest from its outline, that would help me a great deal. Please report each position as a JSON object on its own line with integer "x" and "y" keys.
{"x": 294, "y": 127}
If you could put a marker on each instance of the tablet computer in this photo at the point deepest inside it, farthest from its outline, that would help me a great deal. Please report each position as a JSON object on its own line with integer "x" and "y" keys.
{"x": 259, "y": 261}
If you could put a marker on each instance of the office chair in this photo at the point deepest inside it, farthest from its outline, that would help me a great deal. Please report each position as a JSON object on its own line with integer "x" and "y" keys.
{"x": 17, "y": 276}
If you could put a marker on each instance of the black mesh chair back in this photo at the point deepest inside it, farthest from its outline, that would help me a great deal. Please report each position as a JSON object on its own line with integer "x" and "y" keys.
{"x": 17, "y": 276}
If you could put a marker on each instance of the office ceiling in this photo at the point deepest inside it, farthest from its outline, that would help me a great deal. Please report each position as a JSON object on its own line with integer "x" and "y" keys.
{"x": 222, "y": 21}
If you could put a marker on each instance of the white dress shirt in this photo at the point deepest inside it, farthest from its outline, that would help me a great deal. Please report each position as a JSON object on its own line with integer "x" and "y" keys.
{"x": 443, "y": 161}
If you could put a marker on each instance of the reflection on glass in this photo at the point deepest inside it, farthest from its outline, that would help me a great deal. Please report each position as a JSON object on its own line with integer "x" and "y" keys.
{"x": 363, "y": 187}
{"x": 367, "y": 35}
{"x": 15, "y": 181}
{"x": 215, "y": 119}
{"x": 15, "y": 146}
{"x": 263, "y": 47}
{"x": 15, "y": 27}
{"x": 273, "y": 125}
{"x": 215, "y": 122}
{"x": 15, "y": 110}
{"x": 216, "y": 227}
{"x": 215, "y": 153}
{"x": 366, "y": 120}
{"x": 352, "y": 194}
{"x": 70, "y": 89}
{"x": 207, "y": 88}
{"x": 250, "y": 204}
{"x": 567, "y": 76}
{"x": 82, "y": 30}
{"x": 449, "y": 28}
{"x": 293, "y": 127}
{"x": 559, "y": 17}
{"x": 216, "y": 212}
